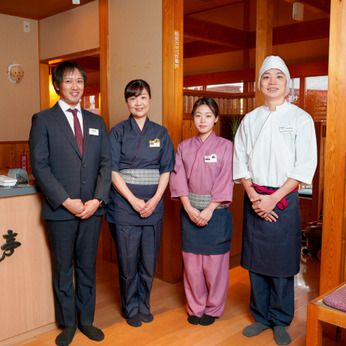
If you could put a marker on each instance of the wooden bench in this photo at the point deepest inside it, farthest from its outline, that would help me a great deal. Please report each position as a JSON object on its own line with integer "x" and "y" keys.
{"x": 319, "y": 312}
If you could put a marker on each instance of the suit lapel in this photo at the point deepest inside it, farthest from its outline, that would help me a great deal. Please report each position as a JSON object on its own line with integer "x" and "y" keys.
{"x": 65, "y": 127}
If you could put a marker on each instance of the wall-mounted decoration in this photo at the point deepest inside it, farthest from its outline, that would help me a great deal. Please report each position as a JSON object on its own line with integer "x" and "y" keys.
{"x": 15, "y": 73}
{"x": 10, "y": 244}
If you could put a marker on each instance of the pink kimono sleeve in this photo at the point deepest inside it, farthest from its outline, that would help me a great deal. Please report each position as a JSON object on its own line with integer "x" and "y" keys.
{"x": 222, "y": 190}
{"x": 178, "y": 179}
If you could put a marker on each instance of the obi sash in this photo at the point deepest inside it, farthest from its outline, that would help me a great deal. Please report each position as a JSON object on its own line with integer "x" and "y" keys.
{"x": 140, "y": 176}
{"x": 202, "y": 201}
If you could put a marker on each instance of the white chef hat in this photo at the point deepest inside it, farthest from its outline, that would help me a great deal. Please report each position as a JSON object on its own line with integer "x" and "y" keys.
{"x": 273, "y": 61}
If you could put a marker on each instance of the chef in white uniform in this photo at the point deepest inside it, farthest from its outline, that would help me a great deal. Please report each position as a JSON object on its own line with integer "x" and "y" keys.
{"x": 274, "y": 151}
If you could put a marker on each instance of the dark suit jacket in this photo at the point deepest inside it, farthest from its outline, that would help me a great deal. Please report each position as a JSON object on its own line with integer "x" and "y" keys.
{"x": 58, "y": 167}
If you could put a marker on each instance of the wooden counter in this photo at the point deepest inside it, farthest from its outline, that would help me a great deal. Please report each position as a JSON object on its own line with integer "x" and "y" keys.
{"x": 26, "y": 296}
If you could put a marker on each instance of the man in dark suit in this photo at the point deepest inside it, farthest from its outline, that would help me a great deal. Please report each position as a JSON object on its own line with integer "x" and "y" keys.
{"x": 70, "y": 160}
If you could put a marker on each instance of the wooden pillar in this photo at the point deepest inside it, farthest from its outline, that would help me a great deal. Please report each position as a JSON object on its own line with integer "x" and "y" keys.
{"x": 103, "y": 19}
{"x": 264, "y": 37}
{"x": 333, "y": 235}
{"x": 170, "y": 262}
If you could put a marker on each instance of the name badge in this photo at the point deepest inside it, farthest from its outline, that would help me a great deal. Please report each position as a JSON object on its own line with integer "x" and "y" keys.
{"x": 210, "y": 158}
{"x": 93, "y": 132}
{"x": 285, "y": 129}
{"x": 154, "y": 143}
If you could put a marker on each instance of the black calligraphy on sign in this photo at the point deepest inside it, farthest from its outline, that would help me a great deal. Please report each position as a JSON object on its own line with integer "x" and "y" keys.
{"x": 10, "y": 245}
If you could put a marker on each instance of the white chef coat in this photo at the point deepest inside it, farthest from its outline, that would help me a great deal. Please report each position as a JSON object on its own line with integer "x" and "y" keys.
{"x": 272, "y": 146}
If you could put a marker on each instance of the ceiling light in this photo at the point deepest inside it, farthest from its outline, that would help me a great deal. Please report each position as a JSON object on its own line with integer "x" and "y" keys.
{"x": 75, "y": 2}
{"x": 298, "y": 11}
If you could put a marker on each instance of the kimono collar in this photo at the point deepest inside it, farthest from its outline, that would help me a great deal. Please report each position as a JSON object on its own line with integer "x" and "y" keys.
{"x": 210, "y": 137}
{"x": 134, "y": 124}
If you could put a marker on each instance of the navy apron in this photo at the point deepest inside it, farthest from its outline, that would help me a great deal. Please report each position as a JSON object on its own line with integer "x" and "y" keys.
{"x": 272, "y": 248}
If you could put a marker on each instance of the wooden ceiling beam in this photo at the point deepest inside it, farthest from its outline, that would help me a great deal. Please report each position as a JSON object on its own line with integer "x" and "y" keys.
{"x": 304, "y": 31}
{"x": 317, "y": 68}
{"x": 215, "y": 33}
{"x": 322, "y": 5}
{"x": 201, "y": 48}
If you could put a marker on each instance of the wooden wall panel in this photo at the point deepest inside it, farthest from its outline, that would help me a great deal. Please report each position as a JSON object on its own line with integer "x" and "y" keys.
{"x": 10, "y": 153}
{"x": 333, "y": 255}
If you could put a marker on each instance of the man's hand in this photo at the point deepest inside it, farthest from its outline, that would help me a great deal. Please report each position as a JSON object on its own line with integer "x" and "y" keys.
{"x": 90, "y": 208}
{"x": 74, "y": 206}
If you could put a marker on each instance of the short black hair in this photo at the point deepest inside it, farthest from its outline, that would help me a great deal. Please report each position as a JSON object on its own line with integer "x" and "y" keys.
{"x": 61, "y": 68}
{"x": 135, "y": 88}
{"x": 208, "y": 101}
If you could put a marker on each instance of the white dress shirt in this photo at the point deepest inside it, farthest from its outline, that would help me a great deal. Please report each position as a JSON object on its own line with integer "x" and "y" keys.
{"x": 64, "y": 106}
{"x": 272, "y": 146}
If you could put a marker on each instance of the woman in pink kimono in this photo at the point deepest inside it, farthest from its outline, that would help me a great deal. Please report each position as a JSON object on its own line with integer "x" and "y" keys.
{"x": 202, "y": 179}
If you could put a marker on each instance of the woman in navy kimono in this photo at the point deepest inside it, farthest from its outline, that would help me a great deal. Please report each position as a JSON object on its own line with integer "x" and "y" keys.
{"x": 142, "y": 159}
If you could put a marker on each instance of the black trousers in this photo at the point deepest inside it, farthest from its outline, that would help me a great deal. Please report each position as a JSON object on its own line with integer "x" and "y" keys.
{"x": 137, "y": 249}
{"x": 74, "y": 246}
{"x": 272, "y": 299}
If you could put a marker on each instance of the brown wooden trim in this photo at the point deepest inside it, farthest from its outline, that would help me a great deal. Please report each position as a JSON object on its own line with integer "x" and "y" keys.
{"x": 210, "y": 5}
{"x": 204, "y": 93}
{"x": 103, "y": 13}
{"x": 13, "y": 142}
{"x": 54, "y": 60}
{"x": 219, "y": 77}
{"x": 333, "y": 243}
{"x": 323, "y": 5}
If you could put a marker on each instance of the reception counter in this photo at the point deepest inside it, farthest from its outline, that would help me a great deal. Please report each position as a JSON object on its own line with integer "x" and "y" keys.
{"x": 26, "y": 297}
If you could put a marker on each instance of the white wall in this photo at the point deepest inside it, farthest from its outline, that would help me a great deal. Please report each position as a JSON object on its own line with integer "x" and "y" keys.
{"x": 135, "y": 51}
{"x": 70, "y": 31}
{"x": 18, "y": 101}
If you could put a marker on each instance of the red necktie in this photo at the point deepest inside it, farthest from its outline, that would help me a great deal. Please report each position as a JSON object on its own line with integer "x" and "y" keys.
{"x": 77, "y": 130}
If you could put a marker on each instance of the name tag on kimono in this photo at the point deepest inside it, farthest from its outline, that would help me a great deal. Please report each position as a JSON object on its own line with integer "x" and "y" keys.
{"x": 93, "y": 132}
{"x": 154, "y": 143}
{"x": 212, "y": 158}
{"x": 285, "y": 129}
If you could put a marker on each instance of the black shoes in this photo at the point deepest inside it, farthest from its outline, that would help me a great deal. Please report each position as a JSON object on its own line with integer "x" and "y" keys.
{"x": 92, "y": 332}
{"x": 134, "y": 321}
{"x": 205, "y": 320}
{"x": 146, "y": 318}
{"x": 66, "y": 336}
{"x": 193, "y": 319}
